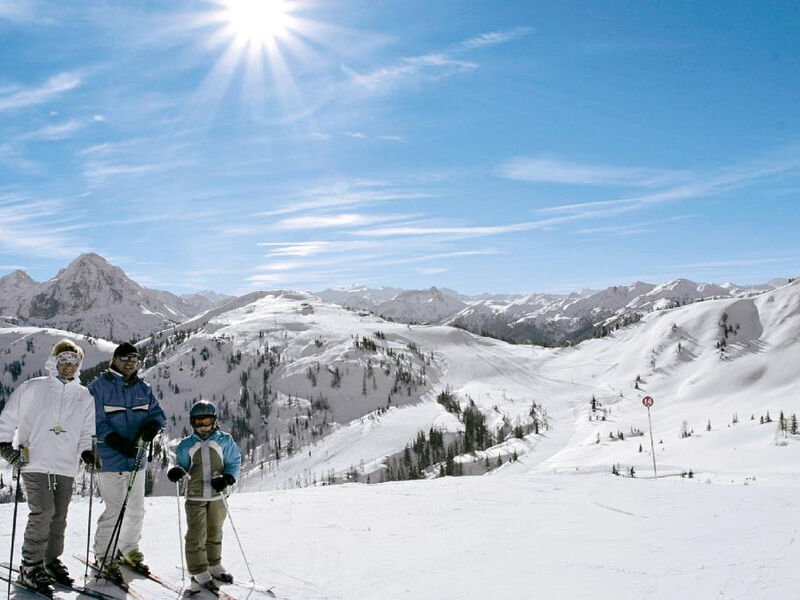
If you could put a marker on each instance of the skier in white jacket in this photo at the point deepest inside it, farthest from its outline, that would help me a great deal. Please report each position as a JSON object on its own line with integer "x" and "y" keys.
{"x": 53, "y": 417}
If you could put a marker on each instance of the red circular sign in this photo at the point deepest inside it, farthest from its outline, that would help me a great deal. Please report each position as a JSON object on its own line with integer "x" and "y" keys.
{"x": 647, "y": 401}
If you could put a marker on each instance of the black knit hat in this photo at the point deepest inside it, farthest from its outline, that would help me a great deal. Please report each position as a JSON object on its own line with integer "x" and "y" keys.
{"x": 125, "y": 349}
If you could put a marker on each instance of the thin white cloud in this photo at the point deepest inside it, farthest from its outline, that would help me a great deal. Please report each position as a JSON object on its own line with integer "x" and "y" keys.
{"x": 52, "y": 132}
{"x": 313, "y": 248}
{"x": 473, "y": 231}
{"x": 542, "y": 170}
{"x": 633, "y": 228}
{"x": 429, "y": 66}
{"x": 434, "y": 65}
{"x": 341, "y": 220}
{"x": 344, "y": 195}
{"x": 35, "y": 227}
{"x": 58, "y": 84}
{"x": 746, "y": 262}
{"x": 432, "y": 270}
{"x": 493, "y": 38}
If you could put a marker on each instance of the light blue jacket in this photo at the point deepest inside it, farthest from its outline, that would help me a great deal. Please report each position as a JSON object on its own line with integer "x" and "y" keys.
{"x": 206, "y": 458}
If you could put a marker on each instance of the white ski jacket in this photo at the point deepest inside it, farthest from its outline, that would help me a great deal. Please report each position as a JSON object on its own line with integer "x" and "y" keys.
{"x": 53, "y": 420}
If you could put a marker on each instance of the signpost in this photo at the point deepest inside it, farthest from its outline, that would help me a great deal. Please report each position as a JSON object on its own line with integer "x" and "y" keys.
{"x": 648, "y": 402}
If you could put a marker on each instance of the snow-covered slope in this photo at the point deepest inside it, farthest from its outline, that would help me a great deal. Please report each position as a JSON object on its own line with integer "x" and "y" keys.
{"x": 555, "y": 522}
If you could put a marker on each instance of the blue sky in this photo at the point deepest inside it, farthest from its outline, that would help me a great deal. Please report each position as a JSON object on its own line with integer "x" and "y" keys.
{"x": 482, "y": 146}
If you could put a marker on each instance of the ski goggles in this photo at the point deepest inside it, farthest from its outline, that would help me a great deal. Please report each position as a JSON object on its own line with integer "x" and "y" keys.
{"x": 68, "y": 358}
{"x": 131, "y": 358}
{"x": 204, "y": 421}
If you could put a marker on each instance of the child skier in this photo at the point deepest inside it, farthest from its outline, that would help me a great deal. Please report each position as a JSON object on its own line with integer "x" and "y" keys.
{"x": 212, "y": 460}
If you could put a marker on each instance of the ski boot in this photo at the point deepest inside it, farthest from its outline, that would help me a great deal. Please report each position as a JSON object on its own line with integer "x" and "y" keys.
{"x": 34, "y": 576}
{"x": 111, "y": 573}
{"x": 202, "y": 581}
{"x": 134, "y": 559}
{"x": 220, "y": 573}
{"x": 59, "y": 572}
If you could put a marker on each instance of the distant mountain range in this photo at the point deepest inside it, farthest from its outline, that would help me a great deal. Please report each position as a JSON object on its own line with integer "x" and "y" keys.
{"x": 92, "y": 297}
{"x": 545, "y": 319}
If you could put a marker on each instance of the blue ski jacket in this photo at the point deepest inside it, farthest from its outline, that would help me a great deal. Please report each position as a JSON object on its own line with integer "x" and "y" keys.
{"x": 123, "y": 407}
{"x": 204, "y": 458}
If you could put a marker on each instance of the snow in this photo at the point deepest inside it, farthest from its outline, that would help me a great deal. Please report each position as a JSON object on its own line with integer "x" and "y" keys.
{"x": 566, "y": 535}
{"x": 554, "y": 524}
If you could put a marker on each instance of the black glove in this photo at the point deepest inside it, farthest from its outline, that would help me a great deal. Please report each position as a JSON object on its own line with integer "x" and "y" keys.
{"x": 149, "y": 430}
{"x": 220, "y": 482}
{"x": 9, "y": 453}
{"x": 122, "y": 445}
{"x": 91, "y": 461}
{"x": 175, "y": 474}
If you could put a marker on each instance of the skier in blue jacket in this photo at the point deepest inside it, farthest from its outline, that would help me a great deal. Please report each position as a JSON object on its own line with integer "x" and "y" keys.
{"x": 127, "y": 418}
{"x": 212, "y": 461}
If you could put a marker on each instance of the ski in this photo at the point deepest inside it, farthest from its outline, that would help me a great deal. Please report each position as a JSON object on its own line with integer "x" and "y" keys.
{"x": 173, "y": 587}
{"x": 121, "y": 585}
{"x": 25, "y": 588}
{"x": 79, "y": 589}
{"x": 267, "y": 591}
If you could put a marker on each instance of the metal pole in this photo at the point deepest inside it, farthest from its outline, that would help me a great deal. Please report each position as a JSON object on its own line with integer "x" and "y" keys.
{"x": 14, "y": 524}
{"x": 236, "y": 533}
{"x": 91, "y": 493}
{"x": 180, "y": 531}
{"x": 652, "y": 446}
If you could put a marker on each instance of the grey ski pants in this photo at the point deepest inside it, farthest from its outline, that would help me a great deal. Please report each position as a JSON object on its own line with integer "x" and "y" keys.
{"x": 204, "y": 534}
{"x": 48, "y": 501}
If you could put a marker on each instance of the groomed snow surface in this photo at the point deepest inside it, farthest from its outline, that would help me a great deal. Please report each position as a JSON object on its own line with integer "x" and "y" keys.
{"x": 566, "y": 535}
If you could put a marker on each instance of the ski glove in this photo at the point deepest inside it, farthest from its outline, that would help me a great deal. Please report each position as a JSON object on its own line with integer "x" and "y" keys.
{"x": 175, "y": 474}
{"x": 8, "y": 452}
{"x": 149, "y": 430}
{"x": 122, "y": 445}
{"x": 91, "y": 461}
{"x": 220, "y": 482}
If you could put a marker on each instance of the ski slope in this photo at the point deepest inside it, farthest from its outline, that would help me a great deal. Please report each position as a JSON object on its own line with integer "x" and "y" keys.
{"x": 556, "y": 523}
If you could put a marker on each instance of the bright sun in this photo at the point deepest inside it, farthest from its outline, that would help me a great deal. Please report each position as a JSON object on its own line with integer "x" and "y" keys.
{"x": 258, "y": 20}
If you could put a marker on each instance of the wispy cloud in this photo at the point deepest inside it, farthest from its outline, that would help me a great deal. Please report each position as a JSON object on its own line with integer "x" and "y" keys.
{"x": 744, "y": 262}
{"x": 56, "y": 85}
{"x": 433, "y": 66}
{"x": 493, "y": 38}
{"x": 37, "y": 227}
{"x": 341, "y": 220}
{"x": 694, "y": 186}
{"x": 632, "y": 228}
{"x": 466, "y": 231}
{"x": 543, "y": 170}
{"x": 313, "y": 248}
{"x": 430, "y": 66}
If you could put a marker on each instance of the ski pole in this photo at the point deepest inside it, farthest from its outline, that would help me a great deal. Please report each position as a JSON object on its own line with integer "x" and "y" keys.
{"x": 14, "y": 522}
{"x": 180, "y": 531}
{"x": 112, "y": 543}
{"x": 91, "y": 493}
{"x": 238, "y": 541}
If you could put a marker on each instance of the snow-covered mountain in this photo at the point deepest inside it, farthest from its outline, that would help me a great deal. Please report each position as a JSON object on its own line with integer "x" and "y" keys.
{"x": 545, "y": 319}
{"x": 91, "y": 296}
{"x": 205, "y": 300}
{"x": 419, "y": 306}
